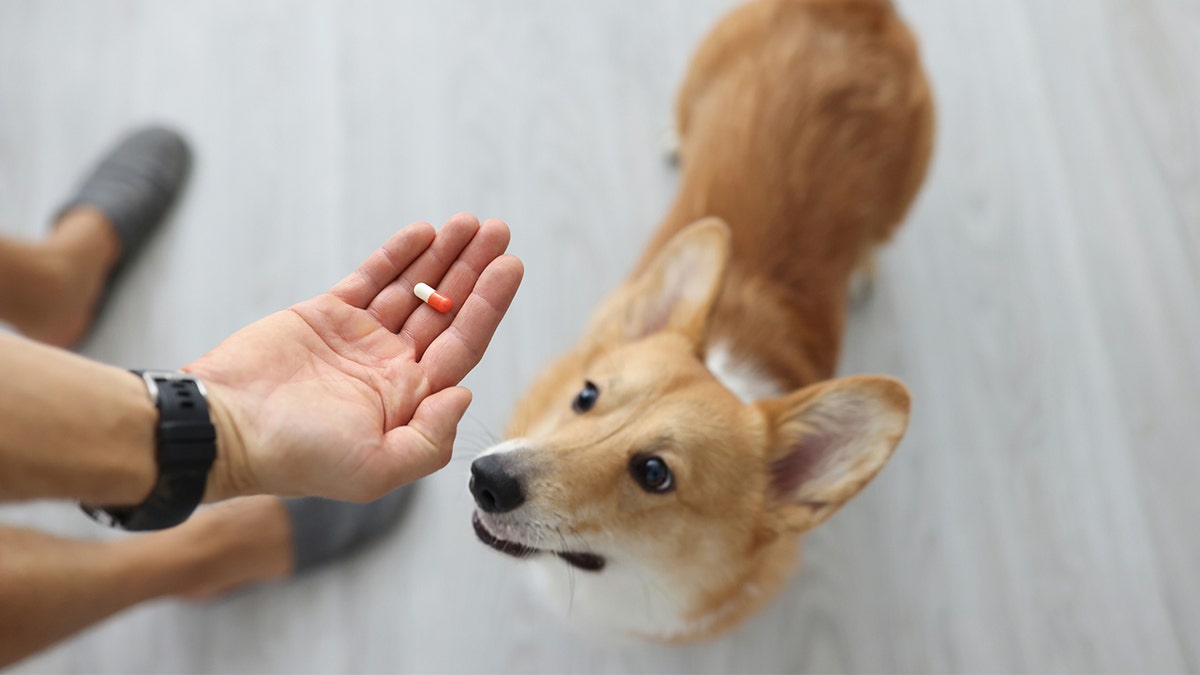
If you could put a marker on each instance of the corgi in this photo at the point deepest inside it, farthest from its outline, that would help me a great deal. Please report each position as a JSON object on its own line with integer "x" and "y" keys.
{"x": 658, "y": 476}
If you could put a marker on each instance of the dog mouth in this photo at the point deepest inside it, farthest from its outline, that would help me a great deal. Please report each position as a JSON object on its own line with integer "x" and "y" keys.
{"x": 589, "y": 562}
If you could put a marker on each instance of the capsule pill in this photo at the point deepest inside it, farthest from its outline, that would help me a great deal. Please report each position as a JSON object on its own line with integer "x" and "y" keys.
{"x": 432, "y": 298}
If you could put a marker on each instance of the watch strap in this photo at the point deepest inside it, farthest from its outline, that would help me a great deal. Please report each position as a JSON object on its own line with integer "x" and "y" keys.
{"x": 185, "y": 451}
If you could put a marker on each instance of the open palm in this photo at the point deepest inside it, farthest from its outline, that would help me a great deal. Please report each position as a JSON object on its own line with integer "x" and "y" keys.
{"x": 353, "y": 393}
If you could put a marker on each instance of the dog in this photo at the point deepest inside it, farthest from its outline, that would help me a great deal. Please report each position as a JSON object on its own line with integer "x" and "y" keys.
{"x": 658, "y": 476}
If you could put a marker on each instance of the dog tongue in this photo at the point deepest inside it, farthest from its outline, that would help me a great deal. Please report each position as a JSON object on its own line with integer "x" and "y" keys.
{"x": 584, "y": 561}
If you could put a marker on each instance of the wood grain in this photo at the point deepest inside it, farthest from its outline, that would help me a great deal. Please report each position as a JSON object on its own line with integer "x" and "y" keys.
{"x": 1042, "y": 304}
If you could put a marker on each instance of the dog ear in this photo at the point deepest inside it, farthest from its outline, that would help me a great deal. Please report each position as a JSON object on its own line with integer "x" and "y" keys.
{"x": 676, "y": 290}
{"x": 830, "y": 440}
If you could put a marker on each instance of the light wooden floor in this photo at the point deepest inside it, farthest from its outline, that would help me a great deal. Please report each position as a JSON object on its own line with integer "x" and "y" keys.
{"x": 1043, "y": 304}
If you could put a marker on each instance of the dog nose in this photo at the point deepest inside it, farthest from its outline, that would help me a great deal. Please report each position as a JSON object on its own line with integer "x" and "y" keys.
{"x": 495, "y": 489}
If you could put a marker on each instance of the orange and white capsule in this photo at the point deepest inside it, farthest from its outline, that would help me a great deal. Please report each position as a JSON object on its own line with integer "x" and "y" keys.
{"x": 432, "y": 298}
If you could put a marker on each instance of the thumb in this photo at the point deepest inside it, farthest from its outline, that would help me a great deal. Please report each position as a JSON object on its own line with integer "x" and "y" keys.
{"x": 426, "y": 443}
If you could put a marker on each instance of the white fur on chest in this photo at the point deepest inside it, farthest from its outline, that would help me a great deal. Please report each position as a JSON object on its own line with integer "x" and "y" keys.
{"x": 625, "y": 602}
{"x": 740, "y": 374}
{"x": 622, "y": 602}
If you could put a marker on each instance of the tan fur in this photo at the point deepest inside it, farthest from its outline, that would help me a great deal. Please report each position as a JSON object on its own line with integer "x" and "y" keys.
{"x": 806, "y": 126}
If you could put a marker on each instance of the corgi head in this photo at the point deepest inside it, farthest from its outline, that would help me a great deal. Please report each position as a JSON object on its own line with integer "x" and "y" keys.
{"x": 652, "y": 500}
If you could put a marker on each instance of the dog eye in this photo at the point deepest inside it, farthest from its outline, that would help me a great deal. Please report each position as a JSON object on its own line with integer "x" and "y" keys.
{"x": 652, "y": 473}
{"x": 586, "y": 398}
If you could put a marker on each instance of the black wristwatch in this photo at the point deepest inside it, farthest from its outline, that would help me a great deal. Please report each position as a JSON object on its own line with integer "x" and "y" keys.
{"x": 186, "y": 444}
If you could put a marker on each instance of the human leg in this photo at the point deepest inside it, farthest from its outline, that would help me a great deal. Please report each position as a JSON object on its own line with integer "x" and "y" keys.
{"x": 51, "y": 587}
{"x": 49, "y": 290}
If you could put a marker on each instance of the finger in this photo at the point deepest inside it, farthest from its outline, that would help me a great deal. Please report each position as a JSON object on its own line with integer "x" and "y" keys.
{"x": 458, "y": 348}
{"x": 426, "y": 443}
{"x": 393, "y": 305}
{"x": 384, "y": 265}
{"x": 423, "y": 326}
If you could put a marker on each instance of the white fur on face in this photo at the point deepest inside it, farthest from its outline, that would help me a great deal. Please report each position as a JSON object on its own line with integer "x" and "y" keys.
{"x": 506, "y": 446}
{"x": 624, "y": 600}
{"x": 628, "y": 597}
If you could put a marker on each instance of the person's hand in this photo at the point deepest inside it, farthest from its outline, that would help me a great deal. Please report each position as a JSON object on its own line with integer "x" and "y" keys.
{"x": 353, "y": 393}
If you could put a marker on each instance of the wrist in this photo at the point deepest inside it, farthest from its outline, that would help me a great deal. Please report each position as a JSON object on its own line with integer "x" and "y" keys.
{"x": 185, "y": 450}
{"x": 134, "y": 469}
{"x": 230, "y": 476}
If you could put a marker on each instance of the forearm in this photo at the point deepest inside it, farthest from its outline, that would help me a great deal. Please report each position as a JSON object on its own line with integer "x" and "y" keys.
{"x": 72, "y": 428}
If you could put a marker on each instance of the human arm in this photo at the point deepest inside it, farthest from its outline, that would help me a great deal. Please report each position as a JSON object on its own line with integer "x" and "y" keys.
{"x": 346, "y": 395}
{"x": 72, "y": 428}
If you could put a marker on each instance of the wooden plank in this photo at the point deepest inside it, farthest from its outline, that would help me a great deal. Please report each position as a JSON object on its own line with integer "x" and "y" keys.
{"x": 1040, "y": 303}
